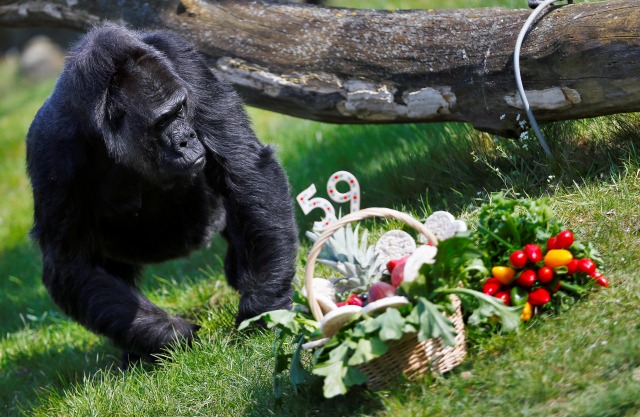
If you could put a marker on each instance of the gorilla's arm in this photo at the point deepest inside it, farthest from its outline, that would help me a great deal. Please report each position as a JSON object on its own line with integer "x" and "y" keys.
{"x": 260, "y": 229}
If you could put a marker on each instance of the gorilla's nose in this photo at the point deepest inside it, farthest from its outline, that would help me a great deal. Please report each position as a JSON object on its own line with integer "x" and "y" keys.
{"x": 184, "y": 140}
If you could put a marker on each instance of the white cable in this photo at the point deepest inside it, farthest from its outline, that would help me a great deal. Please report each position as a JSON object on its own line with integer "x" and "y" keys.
{"x": 516, "y": 69}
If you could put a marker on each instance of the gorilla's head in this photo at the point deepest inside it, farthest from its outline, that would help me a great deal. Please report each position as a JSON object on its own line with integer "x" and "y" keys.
{"x": 149, "y": 120}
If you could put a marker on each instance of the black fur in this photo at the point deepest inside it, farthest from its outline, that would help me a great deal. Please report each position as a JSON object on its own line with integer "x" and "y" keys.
{"x": 140, "y": 155}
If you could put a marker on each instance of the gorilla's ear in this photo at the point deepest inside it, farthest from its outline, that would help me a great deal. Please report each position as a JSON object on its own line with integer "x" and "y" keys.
{"x": 114, "y": 114}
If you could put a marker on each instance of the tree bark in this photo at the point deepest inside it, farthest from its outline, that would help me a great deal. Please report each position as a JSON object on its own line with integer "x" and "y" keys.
{"x": 365, "y": 66}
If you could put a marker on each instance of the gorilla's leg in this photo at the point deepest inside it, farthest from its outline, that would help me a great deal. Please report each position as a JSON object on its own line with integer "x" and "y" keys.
{"x": 112, "y": 306}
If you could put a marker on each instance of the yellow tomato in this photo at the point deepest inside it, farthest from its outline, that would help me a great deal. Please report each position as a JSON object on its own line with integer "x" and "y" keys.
{"x": 557, "y": 257}
{"x": 526, "y": 312}
{"x": 503, "y": 273}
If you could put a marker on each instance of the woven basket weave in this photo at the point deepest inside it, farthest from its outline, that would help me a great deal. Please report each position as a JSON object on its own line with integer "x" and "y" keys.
{"x": 406, "y": 356}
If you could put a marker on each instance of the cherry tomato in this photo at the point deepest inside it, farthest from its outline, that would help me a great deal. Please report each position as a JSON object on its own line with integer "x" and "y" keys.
{"x": 527, "y": 311}
{"x": 586, "y": 265}
{"x": 526, "y": 278}
{"x": 595, "y": 274}
{"x": 599, "y": 278}
{"x": 491, "y": 286}
{"x": 572, "y": 266}
{"x": 354, "y": 300}
{"x": 539, "y": 297}
{"x": 552, "y": 243}
{"x": 504, "y": 296}
{"x": 533, "y": 252}
{"x": 545, "y": 274}
{"x": 518, "y": 259}
{"x": 503, "y": 273}
{"x": 564, "y": 239}
{"x": 557, "y": 257}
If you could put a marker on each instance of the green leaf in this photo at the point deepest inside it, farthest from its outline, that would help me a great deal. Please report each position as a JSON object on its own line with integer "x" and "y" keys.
{"x": 333, "y": 373}
{"x": 247, "y": 322}
{"x": 366, "y": 350}
{"x": 333, "y": 370}
{"x": 414, "y": 289}
{"x": 354, "y": 377}
{"x": 490, "y": 307}
{"x": 298, "y": 374}
{"x": 391, "y": 324}
{"x": 282, "y": 318}
{"x": 368, "y": 325}
{"x": 433, "y": 323}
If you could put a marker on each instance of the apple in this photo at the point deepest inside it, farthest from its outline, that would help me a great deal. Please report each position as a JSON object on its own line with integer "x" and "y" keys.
{"x": 381, "y": 290}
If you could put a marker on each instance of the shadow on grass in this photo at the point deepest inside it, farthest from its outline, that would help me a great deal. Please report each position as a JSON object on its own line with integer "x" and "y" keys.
{"x": 53, "y": 368}
{"x": 310, "y": 402}
{"x": 24, "y": 298}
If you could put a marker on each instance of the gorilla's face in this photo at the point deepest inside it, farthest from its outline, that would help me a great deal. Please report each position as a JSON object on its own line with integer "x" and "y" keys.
{"x": 150, "y": 118}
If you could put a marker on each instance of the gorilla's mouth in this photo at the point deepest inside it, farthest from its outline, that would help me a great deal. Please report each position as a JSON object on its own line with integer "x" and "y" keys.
{"x": 198, "y": 164}
{"x": 184, "y": 165}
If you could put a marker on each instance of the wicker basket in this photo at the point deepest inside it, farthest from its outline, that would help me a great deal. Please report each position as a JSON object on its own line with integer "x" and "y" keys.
{"x": 406, "y": 356}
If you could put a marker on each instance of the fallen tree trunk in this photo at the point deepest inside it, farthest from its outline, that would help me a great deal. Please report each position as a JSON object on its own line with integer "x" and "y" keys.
{"x": 365, "y": 66}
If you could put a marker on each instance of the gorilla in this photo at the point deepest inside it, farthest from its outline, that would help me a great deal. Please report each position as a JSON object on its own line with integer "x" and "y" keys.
{"x": 140, "y": 155}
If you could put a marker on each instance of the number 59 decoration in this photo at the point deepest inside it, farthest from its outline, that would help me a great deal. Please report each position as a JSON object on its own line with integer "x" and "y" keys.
{"x": 307, "y": 203}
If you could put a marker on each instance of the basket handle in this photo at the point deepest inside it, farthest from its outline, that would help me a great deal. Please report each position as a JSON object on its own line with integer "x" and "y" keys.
{"x": 349, "y": 218}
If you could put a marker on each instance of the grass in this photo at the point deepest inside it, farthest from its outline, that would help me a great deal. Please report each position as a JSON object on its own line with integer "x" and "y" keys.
{"x": 585, "y": 362}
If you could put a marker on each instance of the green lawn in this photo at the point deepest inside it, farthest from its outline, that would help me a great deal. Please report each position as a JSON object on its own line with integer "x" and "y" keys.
{"x": 585, "y": 362}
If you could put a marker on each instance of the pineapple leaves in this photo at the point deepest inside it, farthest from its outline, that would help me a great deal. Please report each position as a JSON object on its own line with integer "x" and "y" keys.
{"x": 352, "y": 256}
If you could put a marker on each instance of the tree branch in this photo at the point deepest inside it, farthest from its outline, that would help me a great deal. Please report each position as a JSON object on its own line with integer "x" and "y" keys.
{"x": 365, "y": 66}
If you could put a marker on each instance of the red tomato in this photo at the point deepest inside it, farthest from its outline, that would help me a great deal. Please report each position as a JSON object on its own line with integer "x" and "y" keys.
{"x": 552, "y": 243}
{"x": 572, "y": 266}
{"x": 545, "y": 274}
{"x": 354, "y": 300}
{"x": 600, "y": 279}
{"x": 491, "y": 286}
{"x": 504, "y": 296}
{"x": 533, "y": 252}
{"x": 526, "y": 278}
{"x": 539, "y": 297}
{"x": 586, "y": 265}
{"x": 564, "y": 239}
{"x": 518, "y": 259}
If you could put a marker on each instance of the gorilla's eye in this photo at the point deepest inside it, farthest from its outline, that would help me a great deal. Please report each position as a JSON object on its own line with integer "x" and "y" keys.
{"x": 162, "y": 123}
{"x": 177, "y": 112}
